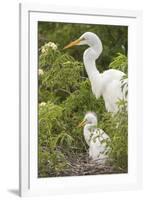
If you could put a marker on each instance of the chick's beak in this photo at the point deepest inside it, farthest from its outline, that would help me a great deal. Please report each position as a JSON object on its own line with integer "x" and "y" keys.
{"x": 82, "y": 123}
{"x": 76, "y": 42}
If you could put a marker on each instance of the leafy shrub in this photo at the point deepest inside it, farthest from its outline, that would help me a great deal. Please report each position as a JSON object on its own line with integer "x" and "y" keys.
{"x": 116, "y": 126}
{"x": 61, "y": 78}
{"x": 120, "y": 62}
{"x": 51, "y": 160}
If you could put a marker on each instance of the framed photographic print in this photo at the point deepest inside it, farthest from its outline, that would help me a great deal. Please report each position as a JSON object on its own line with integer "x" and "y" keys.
{"x": 80, "y": 100}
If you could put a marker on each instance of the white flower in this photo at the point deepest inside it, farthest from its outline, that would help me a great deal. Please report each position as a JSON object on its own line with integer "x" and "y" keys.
{"x": 42, "y": 104}
{"x": 43, "y": 49}
{"x": 41, "y": 72}
{"x": 52, "y": 45}
{"x": 48, "y": 45}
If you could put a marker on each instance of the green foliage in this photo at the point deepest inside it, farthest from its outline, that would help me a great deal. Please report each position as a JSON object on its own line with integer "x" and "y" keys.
{"x": 117, "y": 128}
{"x": 65, "y": 96}
{"x": 51, "y": 160}
{"x": 47, "y": 58}
{"x": 61, "y": 78}
{"x": 120, "y": 62}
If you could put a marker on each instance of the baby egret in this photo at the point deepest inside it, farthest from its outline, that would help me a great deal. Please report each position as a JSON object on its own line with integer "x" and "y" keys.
{"x": 96, "y": 138}
{"x": 107, "y": 84}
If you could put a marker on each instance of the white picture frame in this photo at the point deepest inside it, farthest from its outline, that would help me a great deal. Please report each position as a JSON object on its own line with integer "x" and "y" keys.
{"x": 30, "y": 184}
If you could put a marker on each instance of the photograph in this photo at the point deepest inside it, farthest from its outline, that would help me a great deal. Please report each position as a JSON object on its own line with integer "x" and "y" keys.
{"x": 82, "y": 99}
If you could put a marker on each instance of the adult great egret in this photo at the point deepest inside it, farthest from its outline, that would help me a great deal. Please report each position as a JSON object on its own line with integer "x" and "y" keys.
{"x": 97, "y": 139}
{"x": 108, "y": 84}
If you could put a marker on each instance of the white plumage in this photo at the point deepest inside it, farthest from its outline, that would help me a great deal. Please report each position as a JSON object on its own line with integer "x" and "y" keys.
{"x": 107, "y": 84}
{"x": 97, "y": 140}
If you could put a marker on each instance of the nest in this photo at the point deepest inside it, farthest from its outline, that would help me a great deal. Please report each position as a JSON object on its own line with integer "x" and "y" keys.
{"x": 82, "y": 165}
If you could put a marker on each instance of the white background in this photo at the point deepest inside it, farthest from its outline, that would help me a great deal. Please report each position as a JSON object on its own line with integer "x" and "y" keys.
{"x": 9, "y": 97}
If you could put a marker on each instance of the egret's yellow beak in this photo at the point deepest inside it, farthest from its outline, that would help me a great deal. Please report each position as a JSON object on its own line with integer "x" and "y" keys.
{"x": 82, "y": 123}
{"x": 76, "y": 42}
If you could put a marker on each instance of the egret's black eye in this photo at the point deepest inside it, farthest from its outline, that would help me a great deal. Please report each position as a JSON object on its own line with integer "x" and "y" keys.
{"x": 81, "y": 39}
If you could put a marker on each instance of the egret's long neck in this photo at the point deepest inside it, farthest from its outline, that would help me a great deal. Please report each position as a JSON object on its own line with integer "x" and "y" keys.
{"x": 88, "y": 133}
{"x": 90, "y": 56}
